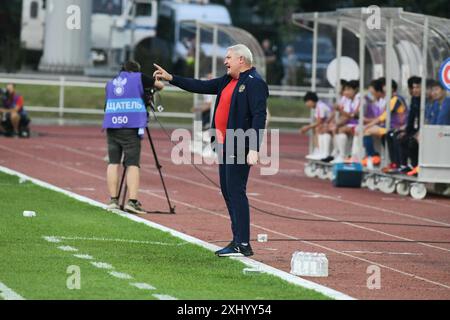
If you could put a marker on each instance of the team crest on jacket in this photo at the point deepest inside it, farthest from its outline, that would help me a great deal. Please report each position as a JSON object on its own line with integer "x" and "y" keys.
{"x": 242, "y": 88}
{"x": 119, "y": 84}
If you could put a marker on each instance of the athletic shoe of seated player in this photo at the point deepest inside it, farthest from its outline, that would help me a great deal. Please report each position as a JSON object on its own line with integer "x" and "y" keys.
{"x": 414, "y": 172}
{"x": 327, "y": 159}
{"x": 314, "y": 155}
{"x": 239, "y": 250}
{"x": 134, "y": 206}
{"x": 401, "y": 170}
{"x": 376, "y": 160}
{"x": 390, "y": 168}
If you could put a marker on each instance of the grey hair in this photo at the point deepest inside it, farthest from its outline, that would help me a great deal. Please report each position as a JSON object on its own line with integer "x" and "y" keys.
{"x": 242, "y": 51}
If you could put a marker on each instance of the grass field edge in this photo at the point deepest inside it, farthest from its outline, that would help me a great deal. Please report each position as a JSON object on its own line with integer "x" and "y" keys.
{"x": 334, "y": 294}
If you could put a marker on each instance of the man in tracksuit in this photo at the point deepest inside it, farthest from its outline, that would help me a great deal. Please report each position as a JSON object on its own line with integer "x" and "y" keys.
{"x": 241, "y": 104}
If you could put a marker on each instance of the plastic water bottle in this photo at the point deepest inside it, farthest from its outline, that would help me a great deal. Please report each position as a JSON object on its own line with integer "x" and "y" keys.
{"x": 314, "y": 265}
{"x": 309, "y": 264}
{"x": 323, "y": 265}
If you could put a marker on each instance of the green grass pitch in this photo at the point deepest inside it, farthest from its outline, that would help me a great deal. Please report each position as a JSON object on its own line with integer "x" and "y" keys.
{"x": 38, "y": 269}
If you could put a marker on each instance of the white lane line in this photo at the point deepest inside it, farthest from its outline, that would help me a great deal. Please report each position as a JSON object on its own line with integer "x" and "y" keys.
{"x": 308, "y": 213}
{"x": 163, "y": 297}
{"x": 351, "y": 224}
{"x": 383, "y": 252}
{"x": 52, "y": 239}
{"x": 249, "y": 262}
{"x": 120, "y": 275}
{"x": 142, "y": 286}
{"x": 102, "y": 265}
{"x": 84, "y": 256}
{"x": 117, "y": 240}
{"x": 334, "y": 198}
{"x": 9, "y": 294}
{"x": 307, "y": 192}
{"x": 68, "y": 248}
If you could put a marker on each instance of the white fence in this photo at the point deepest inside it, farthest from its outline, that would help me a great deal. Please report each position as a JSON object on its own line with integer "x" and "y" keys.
{"x": 62, "y": 82}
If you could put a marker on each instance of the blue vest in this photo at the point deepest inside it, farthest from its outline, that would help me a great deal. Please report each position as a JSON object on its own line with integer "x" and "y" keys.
{"x": 125, "y": 107}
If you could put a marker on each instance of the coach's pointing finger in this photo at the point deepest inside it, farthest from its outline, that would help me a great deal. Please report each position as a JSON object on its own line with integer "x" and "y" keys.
{"x": 161, "y": 73}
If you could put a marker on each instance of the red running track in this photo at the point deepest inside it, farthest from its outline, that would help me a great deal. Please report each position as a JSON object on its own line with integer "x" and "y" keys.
{"x": 408, "y": 239}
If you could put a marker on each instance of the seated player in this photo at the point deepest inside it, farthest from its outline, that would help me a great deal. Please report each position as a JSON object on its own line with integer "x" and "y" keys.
{"x": 348, "y": 120}
{"x": 407, "y": 138}
{"x": 322, "y": 136}
{"x": 377, "y": 127}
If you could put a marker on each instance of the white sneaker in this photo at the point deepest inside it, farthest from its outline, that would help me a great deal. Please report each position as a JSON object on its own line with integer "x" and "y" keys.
{"x": 314, "y": 154}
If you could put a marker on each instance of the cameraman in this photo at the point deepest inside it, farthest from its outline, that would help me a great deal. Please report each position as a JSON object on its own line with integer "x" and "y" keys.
{"x": 11, "y": 109}
{"x": 125, "y": 119}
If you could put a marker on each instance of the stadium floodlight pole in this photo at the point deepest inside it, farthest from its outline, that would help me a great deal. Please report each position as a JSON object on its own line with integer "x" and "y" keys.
{"x": 362, "y": 55}
{"x": 423, "y": 87}
{"x": 388, "y": 69}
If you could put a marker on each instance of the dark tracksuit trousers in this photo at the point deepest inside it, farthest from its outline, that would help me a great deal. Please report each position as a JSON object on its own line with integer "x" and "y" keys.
{"x": 233, "y": 184}
{"x": 247, "y": 111}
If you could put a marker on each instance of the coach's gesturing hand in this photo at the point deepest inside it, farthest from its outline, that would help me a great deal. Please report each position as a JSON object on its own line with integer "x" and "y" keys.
{"x": 161, "y": 74}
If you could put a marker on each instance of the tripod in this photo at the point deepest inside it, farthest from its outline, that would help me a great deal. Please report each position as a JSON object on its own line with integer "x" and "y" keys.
{"x": 158, "y": 166}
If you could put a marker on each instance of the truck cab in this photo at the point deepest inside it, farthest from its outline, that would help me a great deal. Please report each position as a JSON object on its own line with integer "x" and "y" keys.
{"x": 176, "y": 29}
{"x": 116, "y": 24}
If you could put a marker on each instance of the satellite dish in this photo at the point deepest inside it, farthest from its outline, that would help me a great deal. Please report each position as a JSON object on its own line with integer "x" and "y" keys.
{"x": 349, "y": 70}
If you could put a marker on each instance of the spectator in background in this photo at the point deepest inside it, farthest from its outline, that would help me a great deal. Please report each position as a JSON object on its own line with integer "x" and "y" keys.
{"x": 290, "y": 67}
{"x": 12, "y": 109}
{"x": 205, "y": 107}
{"x": 271, "y": 60}
{"x": 322, "y": 135}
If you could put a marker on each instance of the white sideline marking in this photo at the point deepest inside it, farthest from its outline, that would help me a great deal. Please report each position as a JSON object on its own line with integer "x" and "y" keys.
{"x": 142, "y": 286}
{"x": 68, "y": 248}
{"x": 249, "y": 262}
{"x": 120, "y": 275}
{"x": 84, "y": 256}
{"x": 102, "y": 265}
{"x": 52, "y": 239}
{"x": 8, "y": 294}
{"x": 383, "y": 252}
{"x": 163, "y": 297}
{"x": 116, "y": 240}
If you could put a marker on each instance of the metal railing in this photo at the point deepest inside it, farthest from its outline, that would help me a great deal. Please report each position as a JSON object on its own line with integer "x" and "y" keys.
{"x": 83, "y": 82}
